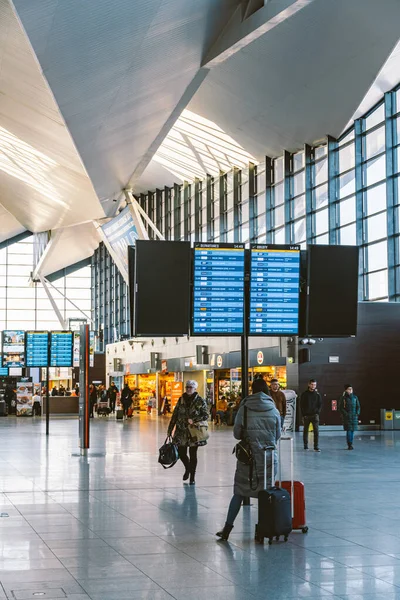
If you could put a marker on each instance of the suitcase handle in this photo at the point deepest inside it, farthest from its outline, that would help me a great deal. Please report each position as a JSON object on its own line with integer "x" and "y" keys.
{"x": 289, "y": 439}
{"x": 266, "y": 448}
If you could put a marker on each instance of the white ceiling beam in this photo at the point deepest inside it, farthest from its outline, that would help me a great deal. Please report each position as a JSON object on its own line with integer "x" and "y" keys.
{"x": 240, "y": 33}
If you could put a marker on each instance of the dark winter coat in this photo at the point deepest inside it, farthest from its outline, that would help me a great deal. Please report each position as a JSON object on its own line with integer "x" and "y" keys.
{"x": 126, "y": 397}
{"x": 188, "y": 407}
{"x": 263, "y": 429}
{"x": 349, "y": 407}
{"x": 310, "y": 403}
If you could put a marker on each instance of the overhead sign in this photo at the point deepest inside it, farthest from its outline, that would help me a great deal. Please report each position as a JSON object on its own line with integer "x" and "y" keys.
{"x": 13, "y": 348}
{"x": 260, "y": 357}
{"x": 61, "y": 348}
{"x": 333, "y": 359}
{"x": 36, "y": 343}
{"x": 218, "y": 297}
{"x": 274, "y": 289}
{"x": 121, "y": 232}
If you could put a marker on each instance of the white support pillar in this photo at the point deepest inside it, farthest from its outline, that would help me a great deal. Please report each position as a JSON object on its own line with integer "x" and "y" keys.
{"x": 53, "y": 303}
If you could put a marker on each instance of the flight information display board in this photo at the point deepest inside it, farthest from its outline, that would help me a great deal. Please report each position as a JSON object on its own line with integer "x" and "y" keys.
{"x": 3, "y": 372}
{"x": 13, "y": 348}
{"x": 61, "y": 343}
{"x": 218, "y": 297}
{"x": 36, "y": 345}
{"x": 274, "y": 289}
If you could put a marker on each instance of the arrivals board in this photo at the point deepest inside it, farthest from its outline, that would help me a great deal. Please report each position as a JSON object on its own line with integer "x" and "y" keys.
{"x": 274, "y": 289}
{"x": 36, "y": 344}
{"x": 61, "y": 348}
{"x": 218, "y": 297}
{"x": 13, "y": 348}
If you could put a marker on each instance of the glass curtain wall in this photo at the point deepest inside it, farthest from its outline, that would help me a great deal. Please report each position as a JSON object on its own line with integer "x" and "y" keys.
{"x": 26, "y": 306}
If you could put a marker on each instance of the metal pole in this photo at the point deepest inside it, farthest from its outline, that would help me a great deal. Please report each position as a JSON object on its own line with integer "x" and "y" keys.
{"x": 47, "y": 391}
{"x": 245, "y": 336}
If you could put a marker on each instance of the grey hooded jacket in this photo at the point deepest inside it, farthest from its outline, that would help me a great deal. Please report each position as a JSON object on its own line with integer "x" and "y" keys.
{"x": 263, "y": 429}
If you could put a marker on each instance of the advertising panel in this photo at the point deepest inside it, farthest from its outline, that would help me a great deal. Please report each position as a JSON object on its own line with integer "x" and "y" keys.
{"x": 24, "y": 397}
{"x": 121, "y": 232}
{"x": 13, "y": 348}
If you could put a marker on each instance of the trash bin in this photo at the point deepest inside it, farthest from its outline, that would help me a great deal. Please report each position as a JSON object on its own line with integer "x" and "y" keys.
{"x": 396, "y": 419}
{"x": 387, "y": 419}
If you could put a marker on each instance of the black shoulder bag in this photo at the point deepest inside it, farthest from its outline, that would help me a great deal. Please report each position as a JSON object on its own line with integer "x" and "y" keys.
{"x": 242, "y": 450}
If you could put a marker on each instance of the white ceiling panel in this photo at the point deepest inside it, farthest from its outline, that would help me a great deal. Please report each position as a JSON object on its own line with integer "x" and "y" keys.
{"x": 43, "y": 182}
{"x": 118, "y": 71}
{"x": 9, "y": 226}
{"x": 304, "y": 78}
{"x": 72, "y": 245}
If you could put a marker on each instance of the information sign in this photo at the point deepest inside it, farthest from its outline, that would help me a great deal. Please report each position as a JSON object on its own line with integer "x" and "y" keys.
{"x": 274, "y": 289}
{"x": 61, "y": 348}
{"x": 3, "y": 371}
{"x": 36, "y": 344}
{"x": 13, "y": 348}
{"x": 218, "y": 299}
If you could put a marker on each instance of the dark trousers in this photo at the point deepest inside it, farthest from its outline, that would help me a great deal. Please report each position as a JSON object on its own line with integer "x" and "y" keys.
{"x": 37, "y": 411}
{"x": 314, "y": 419}
{"x": 112, "y": 405}
{"x": 191, "y": 462}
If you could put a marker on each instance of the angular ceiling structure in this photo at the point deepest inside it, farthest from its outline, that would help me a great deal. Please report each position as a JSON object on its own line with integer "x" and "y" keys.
{"x": 93, "y": 96}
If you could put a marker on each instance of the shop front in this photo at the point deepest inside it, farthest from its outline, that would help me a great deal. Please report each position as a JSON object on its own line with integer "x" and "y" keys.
{"x": 265, "y": 363}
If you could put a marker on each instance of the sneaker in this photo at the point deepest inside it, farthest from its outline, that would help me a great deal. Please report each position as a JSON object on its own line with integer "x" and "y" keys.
{"x": 317, "y": 450}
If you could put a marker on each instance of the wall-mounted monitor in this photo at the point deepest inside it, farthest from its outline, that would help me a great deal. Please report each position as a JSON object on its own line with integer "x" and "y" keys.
{"x": 332, "y": 299}
{"x": 61, "y": 343}
{"x": 218, "y": 289}
{"x": 161, "y": 288}
{"x": 274, "y": 289}
{"x": 36, "y": 344}
{"x": 13, "y": 348}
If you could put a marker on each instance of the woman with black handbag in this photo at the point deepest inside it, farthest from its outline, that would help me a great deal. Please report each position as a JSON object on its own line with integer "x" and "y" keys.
{"x": 257, "y": 425}
{"x": 189, "y": 419}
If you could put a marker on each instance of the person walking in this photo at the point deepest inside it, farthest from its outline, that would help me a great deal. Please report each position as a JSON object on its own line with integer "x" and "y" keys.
{"x": 263, "y": 429}
{"x": 279, "y": 398}
{"x": 126, "y": 399}
{"x": 310, "y": 406}
{"x": 112, "y": 395}
{"x": 191, "y": 409}
{"x": 92, "y": 399}
{"x": 349, "y": 407}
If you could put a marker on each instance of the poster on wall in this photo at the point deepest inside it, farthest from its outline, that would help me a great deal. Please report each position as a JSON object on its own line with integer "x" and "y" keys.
{"x": 24, "y": 397}
{"x": 290, "y": 419}
{"x": 13, "y": 348}
{"x": 76, "y": 347}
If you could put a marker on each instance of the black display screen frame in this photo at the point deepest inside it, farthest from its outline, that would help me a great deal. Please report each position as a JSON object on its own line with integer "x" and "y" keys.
{"x": 293, "y": 247}
{"x": 169, "y": 285}
{"x": 51, "y": 346}
{"x": 33, "y": 366}
{"x": 216, "y": 245}
{"x": 344, "y": 288}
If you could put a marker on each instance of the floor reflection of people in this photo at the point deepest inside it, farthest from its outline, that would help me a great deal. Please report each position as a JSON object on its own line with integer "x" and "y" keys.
{"x": 182, "y": 511}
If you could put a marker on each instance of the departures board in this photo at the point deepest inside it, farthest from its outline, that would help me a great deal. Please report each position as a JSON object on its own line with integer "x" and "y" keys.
{"x": 218, "y": 296}
{"x": 61, "y": 343}
{"x": 274, "y": 289}
{"x": 36, "y": 348}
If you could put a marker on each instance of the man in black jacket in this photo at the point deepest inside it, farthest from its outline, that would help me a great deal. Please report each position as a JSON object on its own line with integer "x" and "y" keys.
{"x": 310, "y": 405}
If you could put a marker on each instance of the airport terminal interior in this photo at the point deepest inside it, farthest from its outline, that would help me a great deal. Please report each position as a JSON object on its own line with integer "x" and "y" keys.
{"x": 199, "y": 198}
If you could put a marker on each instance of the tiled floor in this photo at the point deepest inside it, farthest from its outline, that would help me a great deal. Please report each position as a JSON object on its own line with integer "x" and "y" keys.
{"x": 116, "y": 526}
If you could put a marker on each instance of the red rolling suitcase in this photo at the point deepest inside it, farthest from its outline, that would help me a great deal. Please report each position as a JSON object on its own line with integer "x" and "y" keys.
{"x": 296, "y": 491}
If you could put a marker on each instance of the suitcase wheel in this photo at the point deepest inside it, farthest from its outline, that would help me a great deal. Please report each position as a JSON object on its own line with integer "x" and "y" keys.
{"x": 270, "y": 541}
{"x": 305, "y": 529}
{"x": 258, "y": 538}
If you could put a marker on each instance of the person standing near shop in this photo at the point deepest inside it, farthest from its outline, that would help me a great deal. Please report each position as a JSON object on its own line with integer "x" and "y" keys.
{"x": 263, "y": 429}
{"x": 92, "y": 399}
{"x": 126, "y": 399}
{"x": 37, "y": 405}
{"x": 349, "y": 407}
{"x": 279, "y": 398}
{"x": 191, "y": 409}
{"x": 112, "y": 394}
{"x": 310, "y": 406}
